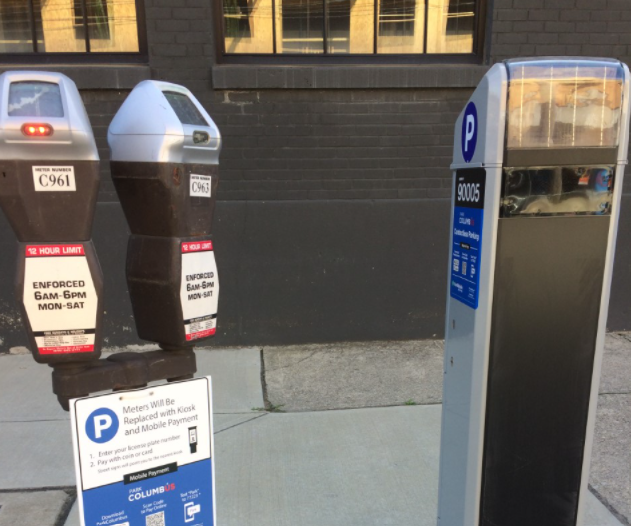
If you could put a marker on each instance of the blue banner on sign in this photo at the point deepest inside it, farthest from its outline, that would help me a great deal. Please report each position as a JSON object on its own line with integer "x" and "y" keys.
{"x": 182, "y": 497}
{"x": 465, "y": 261}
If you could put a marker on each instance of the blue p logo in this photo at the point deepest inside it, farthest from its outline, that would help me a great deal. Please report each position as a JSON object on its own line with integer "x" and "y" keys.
{"x": 102, "y": 425}
{"x": 469, "y": 137}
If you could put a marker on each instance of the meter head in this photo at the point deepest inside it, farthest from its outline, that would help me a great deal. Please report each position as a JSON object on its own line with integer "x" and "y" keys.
{"x": 42, "y": 117}
{"x": 163, "y": 122}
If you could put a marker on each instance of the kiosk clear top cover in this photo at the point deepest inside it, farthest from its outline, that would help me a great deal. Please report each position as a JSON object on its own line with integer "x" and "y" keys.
{"x": 564, "y": 104}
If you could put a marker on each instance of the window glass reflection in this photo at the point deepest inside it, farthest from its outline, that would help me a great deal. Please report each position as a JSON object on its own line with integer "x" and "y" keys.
{"x": 15, "y": 28}
{"x": 339, "y": 26}
{"x": 59, "y": 26}
{"x": 248, "y": 26}
{"x": 302, "y": 26}
{"x": 298, "y": 26}
{"x": 60, "y": 32}
{"x": 545, "y": 191}
{"x": 401, "y": 26}
{"x": 112, "y": 25}
{"x": 450, "y": 26}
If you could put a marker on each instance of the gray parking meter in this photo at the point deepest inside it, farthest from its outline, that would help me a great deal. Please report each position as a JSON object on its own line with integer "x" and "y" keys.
{"x": 539, "y": 157}
{"x": 164, "y": 161}
{"x": 49, "y": 179}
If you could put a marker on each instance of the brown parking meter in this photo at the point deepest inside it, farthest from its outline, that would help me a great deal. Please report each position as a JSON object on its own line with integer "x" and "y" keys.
{"x": 49, "y": 180}
{"x": 164, "y": 161}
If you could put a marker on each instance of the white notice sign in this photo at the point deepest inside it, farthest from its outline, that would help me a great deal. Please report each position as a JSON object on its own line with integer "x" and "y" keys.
{"x": 200, "y": 185}
{"x": 199, "y": 291}
{"x": 54, "y": 179}
{"x": 60, "y": 298}
{"x": 145, "y": 456}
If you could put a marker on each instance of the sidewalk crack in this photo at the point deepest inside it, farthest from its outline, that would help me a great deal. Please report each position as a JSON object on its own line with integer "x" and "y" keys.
{"x": 241, "y": 423}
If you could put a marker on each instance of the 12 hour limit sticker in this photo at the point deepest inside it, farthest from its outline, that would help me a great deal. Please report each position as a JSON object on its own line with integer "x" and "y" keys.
{"x": 60, "y": 298}
{"x": 199, "y": 291}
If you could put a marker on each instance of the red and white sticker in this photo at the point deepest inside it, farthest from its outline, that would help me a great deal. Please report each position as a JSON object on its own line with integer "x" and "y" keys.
{"x": 60, "y": 298}
{"x": 199, "y": 291}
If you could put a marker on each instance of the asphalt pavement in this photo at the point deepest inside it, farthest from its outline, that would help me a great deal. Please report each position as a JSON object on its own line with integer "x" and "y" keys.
{"x": 357, "y": 443}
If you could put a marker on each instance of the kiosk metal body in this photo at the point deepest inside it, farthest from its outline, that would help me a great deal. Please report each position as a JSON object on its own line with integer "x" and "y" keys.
{"x": 539, "y": 157}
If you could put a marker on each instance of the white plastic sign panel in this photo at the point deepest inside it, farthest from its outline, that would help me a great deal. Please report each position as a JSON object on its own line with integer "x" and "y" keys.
{"x": 144, "y": 457}
{"x": 60, "y": 298}
{"x": 54, "y": 179}
{"x": 200, "y": 185}
{"x": 199, "y": 289}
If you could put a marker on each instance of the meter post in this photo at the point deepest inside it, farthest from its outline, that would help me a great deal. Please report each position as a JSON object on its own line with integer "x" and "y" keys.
{"x": 48, "y": 189}
{"x": 538, "y": 165}
{"x": 164, "y": 163}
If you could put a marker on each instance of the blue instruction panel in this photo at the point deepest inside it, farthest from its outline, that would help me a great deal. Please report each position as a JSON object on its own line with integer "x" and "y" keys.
{"x": 143, "y": 457}
{"x": 467, "y": 235}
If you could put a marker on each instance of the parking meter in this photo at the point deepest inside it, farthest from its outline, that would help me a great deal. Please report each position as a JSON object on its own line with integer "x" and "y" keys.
{"x": 49, "y": 180}
{"x": 164, "y": 162}
{"x": 538, "y": 164}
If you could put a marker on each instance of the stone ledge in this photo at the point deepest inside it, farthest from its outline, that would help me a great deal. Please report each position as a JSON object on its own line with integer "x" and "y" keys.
{"x": 92, "y": 76}
{"x": 346, "y": 77}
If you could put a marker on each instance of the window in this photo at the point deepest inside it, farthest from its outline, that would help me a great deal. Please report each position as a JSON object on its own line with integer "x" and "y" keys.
{"x": 98, "y": 19}
{"x": 68, "y": 26}
{"x": 350, "y": 27}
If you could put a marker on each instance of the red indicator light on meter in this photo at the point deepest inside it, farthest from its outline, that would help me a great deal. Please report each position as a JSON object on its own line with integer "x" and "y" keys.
{"x": 37, "y": 130}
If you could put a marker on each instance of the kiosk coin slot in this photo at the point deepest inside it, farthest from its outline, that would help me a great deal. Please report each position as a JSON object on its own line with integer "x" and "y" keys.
{"x": 164, "y": 160}
{"x": 49, "y": 181}
{"x": 539, "y": 157}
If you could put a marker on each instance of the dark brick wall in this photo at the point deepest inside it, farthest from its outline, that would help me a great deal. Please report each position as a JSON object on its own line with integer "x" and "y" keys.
{"x": 597, "y": 28}
{"x": 336, "y": 144}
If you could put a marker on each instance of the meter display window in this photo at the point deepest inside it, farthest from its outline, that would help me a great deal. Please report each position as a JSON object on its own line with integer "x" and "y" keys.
{"x": 184, "y": 108}
{"x": 550, "y": 191}
{"x": 35, "y": 99}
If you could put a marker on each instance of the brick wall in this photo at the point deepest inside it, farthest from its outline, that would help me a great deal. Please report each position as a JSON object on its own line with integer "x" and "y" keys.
{"x": 336, "y": 144}
{"x": 597, "y": 28}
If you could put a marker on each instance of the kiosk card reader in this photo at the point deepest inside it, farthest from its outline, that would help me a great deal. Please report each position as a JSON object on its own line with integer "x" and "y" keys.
{"x": 539, "y": 156}
{"x": 49, "y": 180}
{"x": 164, "y": 160}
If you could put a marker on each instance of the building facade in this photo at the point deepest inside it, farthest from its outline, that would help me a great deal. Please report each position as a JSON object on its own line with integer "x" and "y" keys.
{"x": 337, "y": 120}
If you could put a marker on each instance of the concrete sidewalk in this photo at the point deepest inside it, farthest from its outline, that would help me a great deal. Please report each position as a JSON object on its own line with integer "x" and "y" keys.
{"x": 362, "y": 466}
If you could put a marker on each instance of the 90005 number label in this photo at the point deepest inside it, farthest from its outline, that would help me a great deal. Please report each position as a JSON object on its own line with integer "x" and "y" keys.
{"x": 470, "y": 188}
{"x": 54, "y": 179}
{"x": 469, "y": 192}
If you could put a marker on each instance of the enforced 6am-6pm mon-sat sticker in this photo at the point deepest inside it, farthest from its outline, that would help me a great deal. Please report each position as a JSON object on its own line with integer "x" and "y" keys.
{"x": 60, "y": 298}
{"x": 199, "y": 290}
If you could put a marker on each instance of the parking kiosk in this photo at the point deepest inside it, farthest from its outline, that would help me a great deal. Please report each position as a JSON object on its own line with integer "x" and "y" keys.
{"x": 49, "y": 180}
{"x": 164, "y": 161}
{"x": 539, "y": 156}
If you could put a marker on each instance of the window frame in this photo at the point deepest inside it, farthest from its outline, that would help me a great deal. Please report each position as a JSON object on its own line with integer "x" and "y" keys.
{"x": 478, "y": 56}
{"x": 83, "y": 57}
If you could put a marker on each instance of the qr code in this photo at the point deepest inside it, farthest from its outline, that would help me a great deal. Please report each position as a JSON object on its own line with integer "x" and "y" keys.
{"x": 157, "y": 519}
